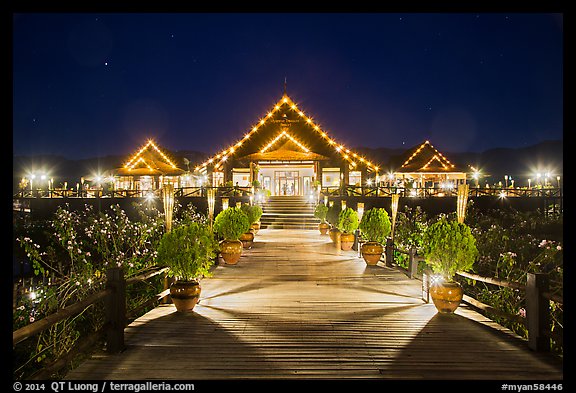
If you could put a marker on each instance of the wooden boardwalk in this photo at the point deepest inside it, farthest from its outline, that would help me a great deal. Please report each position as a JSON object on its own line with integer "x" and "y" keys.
{"x": 296, "y": 308}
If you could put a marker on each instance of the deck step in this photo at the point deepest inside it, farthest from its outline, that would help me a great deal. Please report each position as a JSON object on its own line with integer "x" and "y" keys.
{"x": 288, "y": 212}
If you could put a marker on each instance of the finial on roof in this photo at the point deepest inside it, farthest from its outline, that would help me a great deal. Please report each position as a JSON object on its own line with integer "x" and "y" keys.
{"x": 285, "y": 85}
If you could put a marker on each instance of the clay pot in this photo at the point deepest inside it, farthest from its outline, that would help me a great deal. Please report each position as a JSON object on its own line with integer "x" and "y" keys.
{"x": 323, "y": 227}
{"x": 333, "y": 233}
{"x": 231, "y": 250}
{"x": 372, "y": 252}
{"x": 185, "y": 294}
{"x": 446, "y": 296}
{"x": 346, "y": 241}
{"x": 255, "y": 227}
{"x": 247, "y": 239}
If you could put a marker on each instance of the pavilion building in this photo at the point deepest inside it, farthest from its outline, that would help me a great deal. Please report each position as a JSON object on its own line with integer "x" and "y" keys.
{"x": 423, "y": 166}
{"x": 288, "y": 153}
{"x": 148, "y": 169}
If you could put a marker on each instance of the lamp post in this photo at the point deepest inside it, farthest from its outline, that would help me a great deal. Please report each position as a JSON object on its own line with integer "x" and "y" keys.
{"x": 395, "y": 198}
{"x": 211, "y": 194}
{"x": 461, "y": 202}
{"x": 506, "y": 178}
{"x": 558, "y": 180}
{"x": 360, "y": 209}
{"x": 529, "y": 181}
{"x": 168, "y": 199}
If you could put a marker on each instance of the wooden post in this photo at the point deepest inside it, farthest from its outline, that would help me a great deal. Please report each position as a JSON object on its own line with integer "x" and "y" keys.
{"x": 426, "y": 285}
{"x": 356, "y": 244}
{"x": 338, "y": 242}
{"x": 412, "y": 264}
{"x": 167, "y": 283}
{"x": 537, "y": 311}
{"x": 115, "y": 310}
{"x": 389, "y": 252}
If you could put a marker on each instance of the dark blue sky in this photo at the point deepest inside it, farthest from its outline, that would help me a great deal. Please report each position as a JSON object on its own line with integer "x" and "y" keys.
{"x": 91, "y": 84}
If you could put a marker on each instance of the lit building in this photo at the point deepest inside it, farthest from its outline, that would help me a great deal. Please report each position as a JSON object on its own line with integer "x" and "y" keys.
{"x": 148, "y": 169}
{"x": 287, "y": 152}
{"x": 423, "y": 166}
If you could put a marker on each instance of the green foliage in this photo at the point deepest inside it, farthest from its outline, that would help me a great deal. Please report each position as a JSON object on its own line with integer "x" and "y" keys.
{"x": 449, "y": 246}
{"x": 320, "y": 211}
{"x": 333, "y": 213}
{"x": 375, "y": 225}
{"x": 253, "y": 212}
{"x": 256, "y": 184}
{"x": 73, "y": 252}
{"x": 348, "y": 220}
{"x": 188, "y": 250}
{"x": 231, "y": 223}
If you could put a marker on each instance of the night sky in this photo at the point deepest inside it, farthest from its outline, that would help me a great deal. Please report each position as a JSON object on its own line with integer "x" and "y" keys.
{"x": 89, "y": 84}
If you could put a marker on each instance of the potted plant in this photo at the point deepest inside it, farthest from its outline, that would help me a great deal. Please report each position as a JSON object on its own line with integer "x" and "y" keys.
{"x": 374, "y": 226}
{"x": 188, "y": 251}
{"x": 254, "y": 212}
{"x": 230, "y": 224}
{"x": 320, "y": 212}
{"x": 449, "y": 247}
{"x": 332, "y": 218}
{"x": 347, "y": 224}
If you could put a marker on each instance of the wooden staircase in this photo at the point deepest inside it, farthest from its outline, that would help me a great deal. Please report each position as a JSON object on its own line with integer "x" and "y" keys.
{"x": 288, "y": 212}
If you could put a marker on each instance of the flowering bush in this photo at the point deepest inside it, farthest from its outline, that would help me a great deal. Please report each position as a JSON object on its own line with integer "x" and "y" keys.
{"x": 74, "y": 250}
{"x": 513, "y": 245}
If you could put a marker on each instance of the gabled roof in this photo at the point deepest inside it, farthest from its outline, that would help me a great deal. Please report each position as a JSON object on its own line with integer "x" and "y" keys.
{"x": 285, "y": 121}
{"x": 287, "y": 151}
{"x": 425, "y": 158}
{"x": 149, "y": 160}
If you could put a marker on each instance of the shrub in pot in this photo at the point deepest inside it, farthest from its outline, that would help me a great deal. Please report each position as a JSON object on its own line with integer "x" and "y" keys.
{"x": 188, "y": 251}
{"x": 332, "y": 218}
{"x": 449, "y": 247}
{"x": 320, "y": 212}
{"x": 347, "y": 223}
{"x": 374, "y": 226}
{"x": 254, "y": 212}
{"x": 230, "y": 224}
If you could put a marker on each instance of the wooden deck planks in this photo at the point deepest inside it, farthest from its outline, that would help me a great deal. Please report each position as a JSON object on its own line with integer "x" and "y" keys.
{"x": 294, "y": 307}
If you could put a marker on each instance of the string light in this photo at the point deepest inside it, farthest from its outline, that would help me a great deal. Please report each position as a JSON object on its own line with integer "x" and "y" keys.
{"x": 287, "y": 101}
{"x": 438, "y": 156}
{"x": 136, "y": 159}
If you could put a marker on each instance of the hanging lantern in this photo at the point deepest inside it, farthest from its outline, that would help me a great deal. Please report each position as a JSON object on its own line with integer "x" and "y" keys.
{"x": 225, "y": 203}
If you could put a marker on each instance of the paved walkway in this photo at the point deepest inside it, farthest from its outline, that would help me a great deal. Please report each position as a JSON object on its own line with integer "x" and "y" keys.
{"x": 295, "y": 307}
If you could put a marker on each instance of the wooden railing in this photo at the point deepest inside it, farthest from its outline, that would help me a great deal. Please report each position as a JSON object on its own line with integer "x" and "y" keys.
{"x": 536, "y": 289}
{"x": 427, "y": 192}
{"x": 116, "y": 318}
{"x": 223, "y": 191}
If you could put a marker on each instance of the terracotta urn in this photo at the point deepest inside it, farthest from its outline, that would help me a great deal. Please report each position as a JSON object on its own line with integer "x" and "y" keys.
{"x": 333, "y": 233}
{"x": 247, "y": 239}
{"x": 346, "y": 241}
{"x": 446, "y": 296}
{"x": 372, "y": 252}
{"x": 323, "y": 227}
{"x": 231, "y": 250}
{"x": 185, "y": 294}
{"x": 255, "y": 227}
